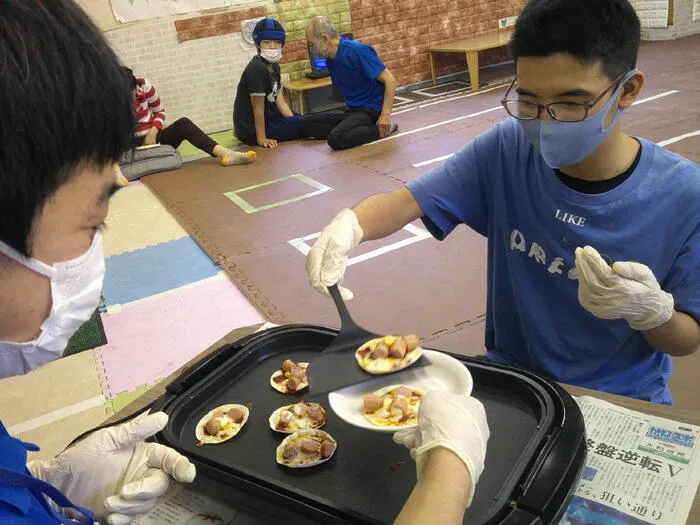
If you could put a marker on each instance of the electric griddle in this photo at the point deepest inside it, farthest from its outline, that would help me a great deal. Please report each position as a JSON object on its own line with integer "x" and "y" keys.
{"x": 536, "y": 451}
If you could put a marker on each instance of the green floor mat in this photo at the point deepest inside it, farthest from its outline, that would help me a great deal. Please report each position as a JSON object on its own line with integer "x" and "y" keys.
{"x": 225, "y": 138}
{"x": 89, "y": 336}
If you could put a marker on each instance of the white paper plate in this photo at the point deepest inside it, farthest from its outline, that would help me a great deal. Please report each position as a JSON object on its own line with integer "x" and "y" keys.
{"x": 443, "y": 373}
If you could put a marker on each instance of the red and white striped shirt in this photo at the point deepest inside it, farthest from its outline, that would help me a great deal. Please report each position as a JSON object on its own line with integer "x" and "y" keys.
{"x": 149, "y": 110}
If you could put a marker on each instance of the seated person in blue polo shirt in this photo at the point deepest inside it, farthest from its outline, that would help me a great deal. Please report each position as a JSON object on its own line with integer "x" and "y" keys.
{"x": 593, "y": 236}
{"x": 362, "y": 77}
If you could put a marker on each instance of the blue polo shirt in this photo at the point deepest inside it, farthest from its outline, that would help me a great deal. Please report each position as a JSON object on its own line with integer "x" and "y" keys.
{"x": 354, "y": 70}
{"x": 19, "y": 505}
{"x": 26, "y": 505}
{"x": 500, "y": 186}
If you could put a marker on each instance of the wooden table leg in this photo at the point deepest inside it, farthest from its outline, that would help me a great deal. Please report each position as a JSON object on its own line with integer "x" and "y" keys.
{"x": 473, "y": 66}
{"x": 300, "y": 103}
{"x": 288, "y": 97}
{"x": 432, "y": 67}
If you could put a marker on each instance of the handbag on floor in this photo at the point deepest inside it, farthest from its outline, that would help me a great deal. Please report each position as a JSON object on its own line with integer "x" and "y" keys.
{"x": 145, "y": 160}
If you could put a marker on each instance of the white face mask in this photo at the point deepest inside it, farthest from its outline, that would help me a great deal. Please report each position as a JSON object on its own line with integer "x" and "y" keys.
{"x": 271, "y": 55}
{"x": 76, "y": 286}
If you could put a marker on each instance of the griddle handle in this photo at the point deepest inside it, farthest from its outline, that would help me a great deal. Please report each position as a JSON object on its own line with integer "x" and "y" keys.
{"x": 206, "y": 365}
{"x": 560, "y": 464}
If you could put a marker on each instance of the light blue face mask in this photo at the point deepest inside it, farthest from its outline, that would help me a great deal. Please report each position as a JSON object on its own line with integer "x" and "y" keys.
{"x": 567, "y": 143}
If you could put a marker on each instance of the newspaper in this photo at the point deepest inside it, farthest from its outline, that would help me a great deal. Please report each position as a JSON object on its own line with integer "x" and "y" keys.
{"x": 183, "y": 507}
{"x": 640, "y": 469}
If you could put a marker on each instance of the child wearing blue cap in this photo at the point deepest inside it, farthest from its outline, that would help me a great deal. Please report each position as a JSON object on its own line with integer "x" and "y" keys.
{"x": 261, "y": 115}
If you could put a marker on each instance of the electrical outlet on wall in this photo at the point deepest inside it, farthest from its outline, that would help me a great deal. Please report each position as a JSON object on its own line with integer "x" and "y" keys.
{"x": 505, "y": 22}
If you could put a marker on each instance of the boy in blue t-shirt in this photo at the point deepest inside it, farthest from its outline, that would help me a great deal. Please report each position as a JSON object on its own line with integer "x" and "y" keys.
{"x": 560, "y": 192}
{"x": 364, "y": 80}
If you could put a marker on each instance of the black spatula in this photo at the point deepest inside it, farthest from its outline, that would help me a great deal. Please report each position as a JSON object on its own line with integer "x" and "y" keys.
{"x": 336, "y": 367}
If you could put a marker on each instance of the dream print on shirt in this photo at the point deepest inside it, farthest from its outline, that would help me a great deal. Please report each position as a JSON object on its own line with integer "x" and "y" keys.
{"x": 519, "y": 243}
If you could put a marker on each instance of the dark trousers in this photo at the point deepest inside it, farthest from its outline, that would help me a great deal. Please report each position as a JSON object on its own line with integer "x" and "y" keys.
{"x": 359, "y": 126}
{"x": 185, "y": 129}
{"x": 298, "y": 127}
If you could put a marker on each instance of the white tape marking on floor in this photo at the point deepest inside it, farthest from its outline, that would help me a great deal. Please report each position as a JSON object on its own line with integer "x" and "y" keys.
{"x": 660, "y": 95}
{"x": 450, "y": 99}
{"x": 425, "y": 93}
{"x": 57, "y": 415}
{"x": 419, "y": 234}
{"x": 424, "y": 128}
{"x": 431, "y": 161}
{"x": 666, "y": 142}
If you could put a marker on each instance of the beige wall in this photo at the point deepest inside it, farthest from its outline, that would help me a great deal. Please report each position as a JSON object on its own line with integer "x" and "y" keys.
{"x": 101, "y": 13}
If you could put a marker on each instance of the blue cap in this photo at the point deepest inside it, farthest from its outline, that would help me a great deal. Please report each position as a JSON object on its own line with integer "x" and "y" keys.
{"x": 269, "y": 29}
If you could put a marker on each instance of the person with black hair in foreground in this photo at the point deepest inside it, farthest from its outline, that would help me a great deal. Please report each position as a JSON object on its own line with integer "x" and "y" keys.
{"x": 51, "y": 274}
{"x": 593, "y": 274}
{"x": 150, "y": 125}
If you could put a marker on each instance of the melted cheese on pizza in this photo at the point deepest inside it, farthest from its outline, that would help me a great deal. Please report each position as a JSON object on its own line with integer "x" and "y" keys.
{"x": 302, "y": 458}
{"x": 387, "y": 416}
{"x": 291, "y": 418}
{"x": 229, "y": 428}
{"x": 383, "y": 365}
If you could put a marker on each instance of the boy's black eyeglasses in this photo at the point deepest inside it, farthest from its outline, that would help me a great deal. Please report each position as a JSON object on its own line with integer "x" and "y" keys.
{"x": 561, "y": 111}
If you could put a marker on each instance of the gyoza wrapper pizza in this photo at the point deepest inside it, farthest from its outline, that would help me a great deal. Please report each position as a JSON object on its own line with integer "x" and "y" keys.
{"x": 306, "y": 448}
{"x": 221, "y": 424}
{"x": 290, "y": 378}
{"x": 388, "y": 354}
{"x": 300, "y": 416}
{"x": 393, "y": 406}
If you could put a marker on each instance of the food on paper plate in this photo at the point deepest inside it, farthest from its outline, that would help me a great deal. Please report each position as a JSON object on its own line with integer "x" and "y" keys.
{"x": 392, "y": 406}
{"x": 388, "y": 354}
{"x": 300, "y": 416}
{"x": 306, "y": 448}
{"x": 221, "y": 424}
{"x": 290, "y": 378}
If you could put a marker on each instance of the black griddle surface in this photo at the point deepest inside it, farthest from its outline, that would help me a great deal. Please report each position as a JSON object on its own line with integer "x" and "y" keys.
{"x": 369, "y": 478}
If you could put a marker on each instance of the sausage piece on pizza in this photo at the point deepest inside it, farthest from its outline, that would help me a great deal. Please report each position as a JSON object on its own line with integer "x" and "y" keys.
{"x": 388, "y": 354}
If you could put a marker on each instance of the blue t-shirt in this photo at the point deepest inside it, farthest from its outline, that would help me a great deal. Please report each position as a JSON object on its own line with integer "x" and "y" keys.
{"x": 19, "y": 505}
{"x": 500, "y": 186}
{"x": 354, "y": 70}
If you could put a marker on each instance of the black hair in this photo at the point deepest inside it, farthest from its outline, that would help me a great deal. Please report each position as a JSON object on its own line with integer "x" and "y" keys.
{"x": 590, "y": 30}
{"x": 63, "y": 101}
{"x": 129, "y": 77}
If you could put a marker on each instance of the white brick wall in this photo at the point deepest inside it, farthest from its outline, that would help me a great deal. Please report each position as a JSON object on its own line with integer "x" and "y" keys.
{"x": 686, "y": 22}
{"x": 196, "y": 79}
{"x": 652, "y": 13}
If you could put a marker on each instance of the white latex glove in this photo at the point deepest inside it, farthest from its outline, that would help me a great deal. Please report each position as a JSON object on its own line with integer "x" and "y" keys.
{"x": 453, "y": 421}
{"x": 114, "y": 473}
{"x": 627, "y": 290}
{"x": 328, "y": 258}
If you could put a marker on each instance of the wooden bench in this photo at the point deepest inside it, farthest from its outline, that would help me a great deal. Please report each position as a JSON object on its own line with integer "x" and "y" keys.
{"x": 471, "y": 47}
{"x": 296, "y": 91}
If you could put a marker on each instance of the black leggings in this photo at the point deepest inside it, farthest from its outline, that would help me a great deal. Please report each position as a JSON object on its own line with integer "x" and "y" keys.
{"x": 358, "y": 127}
{"x": 185, "y": 129}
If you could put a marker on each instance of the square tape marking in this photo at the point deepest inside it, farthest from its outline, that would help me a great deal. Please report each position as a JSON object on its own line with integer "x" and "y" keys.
{"x": 443, "y": 89}
{"x": 247, "y": 207}
{"x": 417, "y": 235}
